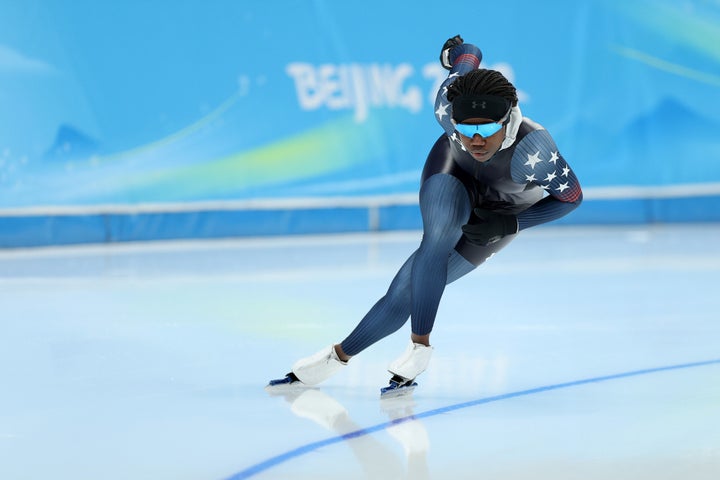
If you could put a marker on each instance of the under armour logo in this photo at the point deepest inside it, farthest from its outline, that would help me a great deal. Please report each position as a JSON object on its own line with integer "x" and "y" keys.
{"x": 482, "y": 105}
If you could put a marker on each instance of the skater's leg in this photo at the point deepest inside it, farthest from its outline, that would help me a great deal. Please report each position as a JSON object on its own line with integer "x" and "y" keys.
{"x": 464, "y": 259}
{"x": 392, "y": 311}
{"x": 385, "y": 317}
{"x": 445, "y": 208}
{"x": 458, "y": 267}
{"x": 417, "y": 289}
{"x": 417, "y": 355}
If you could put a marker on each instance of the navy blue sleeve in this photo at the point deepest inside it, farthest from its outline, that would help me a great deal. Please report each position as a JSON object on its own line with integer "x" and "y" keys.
{"x": 467, "y": 58}
{"x": 537, "y": 161}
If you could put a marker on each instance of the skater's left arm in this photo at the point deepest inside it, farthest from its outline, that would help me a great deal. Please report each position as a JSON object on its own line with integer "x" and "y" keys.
{"x": 538, "y": 161}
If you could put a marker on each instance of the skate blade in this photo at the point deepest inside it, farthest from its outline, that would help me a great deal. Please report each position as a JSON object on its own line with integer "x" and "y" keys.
{"x": 395, "y": 390}
{"x": 284, "y": 385}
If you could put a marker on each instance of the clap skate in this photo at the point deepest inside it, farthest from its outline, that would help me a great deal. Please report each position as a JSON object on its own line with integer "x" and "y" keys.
{"x": 397, "y": 387}
{"x": 309, "y": 371}
{"x": 405, "y": 369}
{"x": 288, "y": 380}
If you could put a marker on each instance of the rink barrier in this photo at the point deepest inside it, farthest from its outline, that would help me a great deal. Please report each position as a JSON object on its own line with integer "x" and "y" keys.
{"x": 45, "y": 226}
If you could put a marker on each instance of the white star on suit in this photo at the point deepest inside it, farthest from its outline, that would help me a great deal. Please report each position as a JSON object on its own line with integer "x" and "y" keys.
{"x": 530, "y": 178}
{"x": 553, "y": 157}
{"x": 562, "y": 187}
{"x": 550, "y": 177}
{"x": 442, "y": 110}
{"x": 533, "y": 160}
{"x": 566, "y": 171}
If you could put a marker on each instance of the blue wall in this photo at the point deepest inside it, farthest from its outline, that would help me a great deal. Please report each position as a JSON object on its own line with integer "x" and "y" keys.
{"x": 111, "y": 107}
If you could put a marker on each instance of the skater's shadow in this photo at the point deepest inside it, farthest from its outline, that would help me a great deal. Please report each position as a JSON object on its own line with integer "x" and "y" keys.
{"x": 378, "y": 459}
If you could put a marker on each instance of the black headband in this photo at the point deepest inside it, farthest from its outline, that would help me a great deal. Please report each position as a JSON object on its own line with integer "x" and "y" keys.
{"x": 479, "y": 106}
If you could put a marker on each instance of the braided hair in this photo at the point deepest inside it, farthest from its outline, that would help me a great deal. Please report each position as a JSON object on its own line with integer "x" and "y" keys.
{"x": 483, "y": 81}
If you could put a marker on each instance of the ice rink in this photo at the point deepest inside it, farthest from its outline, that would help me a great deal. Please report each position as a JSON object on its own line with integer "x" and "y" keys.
{"x": 577, "y": 352}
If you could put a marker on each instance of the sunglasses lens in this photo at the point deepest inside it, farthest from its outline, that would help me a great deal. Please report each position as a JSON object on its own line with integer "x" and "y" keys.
{"x": 484, "y": 130}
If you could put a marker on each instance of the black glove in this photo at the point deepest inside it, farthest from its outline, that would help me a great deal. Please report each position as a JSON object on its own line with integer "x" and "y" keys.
{"x": 447, "y": 48}
{"x": 486, "y": 227}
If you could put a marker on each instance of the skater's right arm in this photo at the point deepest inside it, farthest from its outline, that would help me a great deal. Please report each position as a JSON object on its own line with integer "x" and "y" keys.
{"x": 459, "y": 59}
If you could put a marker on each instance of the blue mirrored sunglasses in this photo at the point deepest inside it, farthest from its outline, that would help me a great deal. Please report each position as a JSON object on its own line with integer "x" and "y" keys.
{"x": 484, "y": 129}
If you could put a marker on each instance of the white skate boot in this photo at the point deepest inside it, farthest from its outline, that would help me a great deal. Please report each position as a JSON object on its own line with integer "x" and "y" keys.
{"x": 411, "y": 363}
{"x": 311, "y": 370}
